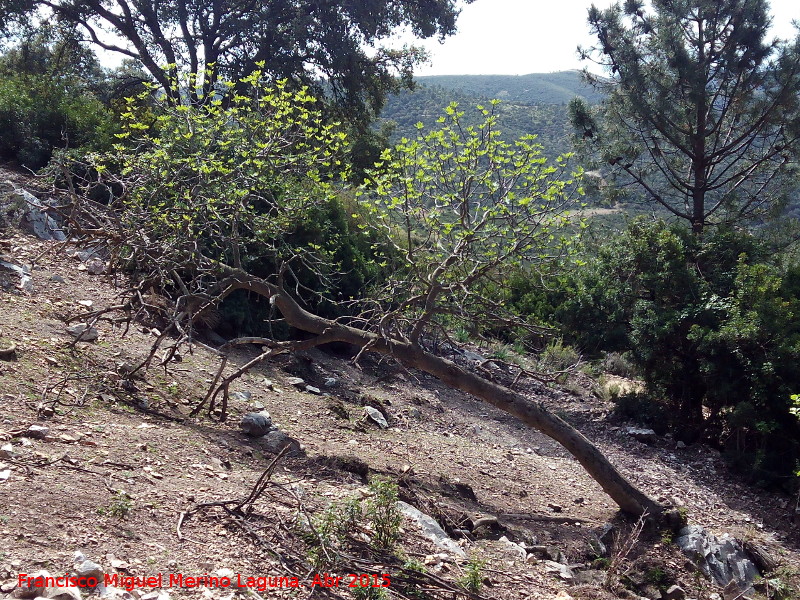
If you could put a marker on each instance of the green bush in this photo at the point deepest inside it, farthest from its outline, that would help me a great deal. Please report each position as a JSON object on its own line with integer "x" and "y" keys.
{"x": 39, "y": 113}
{"x": 711, "y": 324}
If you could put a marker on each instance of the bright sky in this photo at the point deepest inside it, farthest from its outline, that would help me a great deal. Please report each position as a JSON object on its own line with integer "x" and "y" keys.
{"x": 517, "y": 37}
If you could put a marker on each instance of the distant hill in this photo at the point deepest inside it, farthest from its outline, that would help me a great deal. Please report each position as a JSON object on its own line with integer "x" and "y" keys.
{"x": 537, "y": 88}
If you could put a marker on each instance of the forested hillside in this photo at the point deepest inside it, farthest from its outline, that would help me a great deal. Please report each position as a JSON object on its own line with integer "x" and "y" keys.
{"x": 536, "y": 88}
{"x": 427, "y": 103}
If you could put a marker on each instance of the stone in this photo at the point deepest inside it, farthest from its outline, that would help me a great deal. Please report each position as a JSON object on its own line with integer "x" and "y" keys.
{"x": 32, "y": 590}
{"x": 63, "y": 593}
{"x": 7, "y": 451}
{"x": 512, "y": 549}
{"x": 331, "y": 382}
{"x": 275, "y": 441}
{"x": 18, "y": 207}
{"x": 88, "y": 568}
{"x": 680, "y": 445}
{"x": 313, "y": 390}
{"x": 431, "y": 529}
{"x": 563, "y": 572}
{"x": 242, "y": 396}
{"x": 83, "y": 332}
{"x": 155, "y": 595}
{"x": 646, "y": 436}
{"x": 721, "y": 559}
{"x": 257, "y": 406}
{"x": 297, "y": 382}
{"x": 37, "y": 432}
{"x": 95, "y": 266}
{"x": 473, "y": 356}
{"x": 256, "y": 424}
{"x": 376, "y": 416}
{"x": 675, "y": 592}
{"x": 114, "y": 593}
{"x": 57, "y": 279}
{"x": 25, "y": 280}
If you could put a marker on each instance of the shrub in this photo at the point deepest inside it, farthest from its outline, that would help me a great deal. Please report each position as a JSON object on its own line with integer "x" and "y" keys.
{"x": 711, "y": 324}
{"x": 39, "y": 113}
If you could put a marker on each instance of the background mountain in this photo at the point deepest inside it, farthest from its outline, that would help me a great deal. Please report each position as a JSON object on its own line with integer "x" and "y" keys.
{"x": 531, "y": 104}
{"x": 536, "y": 88}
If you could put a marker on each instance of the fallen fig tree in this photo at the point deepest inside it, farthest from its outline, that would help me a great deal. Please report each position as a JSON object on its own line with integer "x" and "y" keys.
{"x": 199, "y": 192}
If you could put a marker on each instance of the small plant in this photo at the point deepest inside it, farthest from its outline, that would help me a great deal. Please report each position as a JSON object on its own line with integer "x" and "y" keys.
{"x": 656, "y": 576}
{"x": 368, "y": 592}
{"x": 329, "y": 532}
{"x": 461, "y": 335}
{"x": 119, "y": 507}
{"x": 558, "y": 357}
{"x": 623, "y": 545}
{"x": 500, "y": 352}
{"x": 618, "y": 364}
{"x": 473, "y": 575}
{"x": 411, "y": 590}
{"x": 382, "y": 510}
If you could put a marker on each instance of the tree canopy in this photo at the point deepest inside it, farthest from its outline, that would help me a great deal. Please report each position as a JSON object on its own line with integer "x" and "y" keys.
{"x": 331, "y": 46}
{"x": 701, "y": 108}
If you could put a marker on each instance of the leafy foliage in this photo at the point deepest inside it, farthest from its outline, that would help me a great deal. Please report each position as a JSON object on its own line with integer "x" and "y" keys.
{"x": 461, "y": 206}
{"x": 329, "y": 46}
{"x": 48, "y": 100}
{"x": 231, "y": 180}
{"x": 711, "y": 324}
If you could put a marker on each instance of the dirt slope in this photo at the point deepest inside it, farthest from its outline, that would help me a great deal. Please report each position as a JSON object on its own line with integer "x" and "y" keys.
{"x": 120, "y": 464}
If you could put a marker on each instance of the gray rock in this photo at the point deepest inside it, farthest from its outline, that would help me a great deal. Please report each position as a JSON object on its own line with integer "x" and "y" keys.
{"x": 721, "y": 559}
{"x": 25, "y": 280}
{"x": 88, "y": 568}
{"x": 83, "y": 333}
{"x": 257, "y": 406}
{"x": 431, "y": 529}
{"x": 57, "y": 279}
{"x": 562, "y": 571}
{"x": 275, "y": 441}
{"x": 646, "y": 436}
{"x": 313, "y": 390}
{"x": 7, "y": 451}
{"x": 376, "y": 416}
{"x": 474, "y": 356}
{"x": 20, "y": 207}
{"x": 512, "y": 549}
{"x": 114, "y": 593}
{"x": 242, "y": 396}
{"x": 675, "y": 592}
{"x": 297, "y": 382}
{"x": 680, "y": 445}
{"x": 331, "y": 382}
{"x": 95, "y": 266}
{"x": 38, "y": 432}
{"x": 256, "y": 424}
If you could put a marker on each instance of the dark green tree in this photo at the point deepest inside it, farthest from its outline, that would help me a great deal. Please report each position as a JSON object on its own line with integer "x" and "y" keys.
{"x": 334, "y": 47}
{"x": 701, "y": 108}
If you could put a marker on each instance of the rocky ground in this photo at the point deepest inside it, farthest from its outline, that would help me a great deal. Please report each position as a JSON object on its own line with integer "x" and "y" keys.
{"x": 110, "y": 465}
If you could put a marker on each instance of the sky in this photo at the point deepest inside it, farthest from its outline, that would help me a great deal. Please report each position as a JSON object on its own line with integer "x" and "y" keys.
{"x": 517, "y": 37}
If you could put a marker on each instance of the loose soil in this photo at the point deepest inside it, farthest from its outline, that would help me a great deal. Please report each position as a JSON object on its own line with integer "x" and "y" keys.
{"x": 123, "y": 460}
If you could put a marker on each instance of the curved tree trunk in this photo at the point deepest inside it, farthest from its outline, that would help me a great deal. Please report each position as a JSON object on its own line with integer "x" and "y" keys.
{"x": 628, "y": 498}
